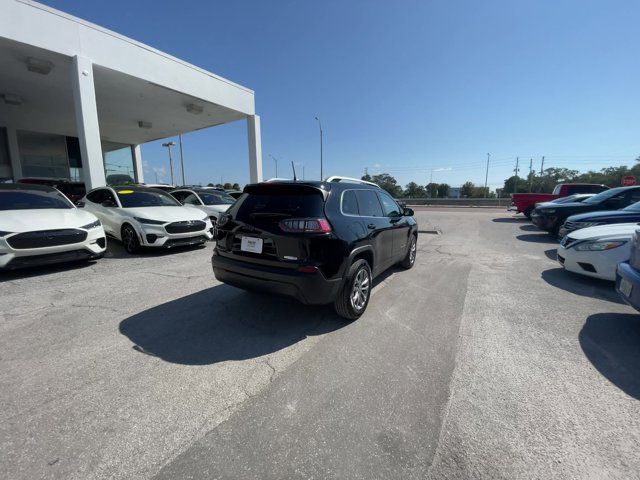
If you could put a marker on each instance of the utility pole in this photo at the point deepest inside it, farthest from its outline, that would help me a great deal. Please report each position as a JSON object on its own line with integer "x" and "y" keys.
{"x": 486, "y": 176}
{"x": 366, "y": 171}
{"x": 303, "y": 171}
{"x": 181, "y": 160}
{"x": 320, "y": 125}
{"x": 515, "y": 187}
{"x": 542, "y": 166}
{"x": 530, "y": 174}
{"x": 168, "y": 145}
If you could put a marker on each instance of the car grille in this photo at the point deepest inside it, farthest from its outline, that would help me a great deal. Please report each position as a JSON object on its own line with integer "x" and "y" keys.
{"x": 50, "y": 258}
{"x": 569, "y": 226}
{"x": 183, "y": 242}
{"x": 185, "y": 227}
{"x": 46, "y": 238}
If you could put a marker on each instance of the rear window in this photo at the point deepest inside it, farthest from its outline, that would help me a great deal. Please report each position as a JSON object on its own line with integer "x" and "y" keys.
{"x": 276, "y": 206}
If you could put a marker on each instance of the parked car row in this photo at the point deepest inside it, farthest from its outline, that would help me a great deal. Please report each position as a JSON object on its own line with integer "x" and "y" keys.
{"x": 39, "y": 225}
{"x": 598, "y": 236}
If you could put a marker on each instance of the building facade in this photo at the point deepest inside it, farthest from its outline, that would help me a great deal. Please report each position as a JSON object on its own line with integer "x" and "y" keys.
{"x": 78, "y": 100}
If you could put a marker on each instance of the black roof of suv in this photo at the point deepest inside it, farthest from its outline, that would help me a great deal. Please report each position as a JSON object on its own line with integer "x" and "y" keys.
{"x": 319, "y": 242}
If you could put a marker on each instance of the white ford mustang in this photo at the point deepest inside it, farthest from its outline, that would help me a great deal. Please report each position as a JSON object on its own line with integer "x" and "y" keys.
{"x": 142, "y": 216}
{"x": 596, "y": 251}
{"x": 40, "y": 226}
{"x": 212, "y": 202}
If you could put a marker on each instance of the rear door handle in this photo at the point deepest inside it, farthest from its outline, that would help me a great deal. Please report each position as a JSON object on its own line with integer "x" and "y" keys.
{"x": 371, "y": 226}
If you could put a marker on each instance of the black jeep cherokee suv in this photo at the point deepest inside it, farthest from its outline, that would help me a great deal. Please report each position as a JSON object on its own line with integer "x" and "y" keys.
{"x": 319, "y": 242}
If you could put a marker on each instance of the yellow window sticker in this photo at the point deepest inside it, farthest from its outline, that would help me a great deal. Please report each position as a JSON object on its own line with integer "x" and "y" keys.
{"x": 124, "y": 192}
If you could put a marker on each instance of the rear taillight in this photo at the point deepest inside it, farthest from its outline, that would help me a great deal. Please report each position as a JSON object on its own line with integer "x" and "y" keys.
{"x": 305, "y": 225}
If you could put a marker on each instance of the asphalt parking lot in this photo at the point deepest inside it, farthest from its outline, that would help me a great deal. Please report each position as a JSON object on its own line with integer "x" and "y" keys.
{"x": 486, "y": 360}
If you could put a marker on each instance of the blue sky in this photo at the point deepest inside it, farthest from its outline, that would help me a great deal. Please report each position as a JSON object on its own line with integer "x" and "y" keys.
{"x": 405, "y": 87}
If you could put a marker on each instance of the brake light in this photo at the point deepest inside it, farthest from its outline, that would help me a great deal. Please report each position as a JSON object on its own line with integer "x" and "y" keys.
{"x": 305, "y": 225}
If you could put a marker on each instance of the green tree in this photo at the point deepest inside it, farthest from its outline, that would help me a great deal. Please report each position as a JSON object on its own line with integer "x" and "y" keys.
{"x": 443, "y": 190}
{"x": 235, "y": 186}
{"x": 366, "y": 177}
{"x": 432, "y": 190}
{"x": 227, "y": 186}
{"x": 413, "y": 190}
{"x": 388, "y": 183}
{"x": 466, "y": 191}
{"x": 210, "y": 184}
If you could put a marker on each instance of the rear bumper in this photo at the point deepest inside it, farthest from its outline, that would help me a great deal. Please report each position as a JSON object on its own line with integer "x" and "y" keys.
{"x": 631, "y": 275}
{"x": 308, "y": 288}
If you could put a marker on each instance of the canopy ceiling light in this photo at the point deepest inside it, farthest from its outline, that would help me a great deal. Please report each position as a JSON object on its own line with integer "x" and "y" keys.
{"x": 195, "y": 109}
{"x": 143, "y": 124}
{"x": 11, "y": 99}
{"x": 38, "y": 65}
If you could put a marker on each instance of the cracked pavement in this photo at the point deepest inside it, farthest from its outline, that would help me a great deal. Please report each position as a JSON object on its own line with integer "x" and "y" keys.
{"x": 484, "y": 361}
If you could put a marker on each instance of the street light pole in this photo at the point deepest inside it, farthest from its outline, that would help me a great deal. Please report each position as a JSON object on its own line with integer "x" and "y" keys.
{"x": 320, "y": 125}
{"x": 275, "y": 160}
{"x": 169, "y": 145}
{"x": 486, "y": 176}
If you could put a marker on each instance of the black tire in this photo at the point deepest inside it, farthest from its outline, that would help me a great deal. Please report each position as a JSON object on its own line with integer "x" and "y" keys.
{"x": 346, "y": 306}
{"x": 409, "y": 259}
{"x": 130, "y": 239}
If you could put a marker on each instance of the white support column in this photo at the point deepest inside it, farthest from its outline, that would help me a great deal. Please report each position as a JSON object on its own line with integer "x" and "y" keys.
{"x": 137, "y": 163}
{"x": 255, "y": 149}
{"x": 84, "y": 100}
{"x": 14, "y": 153}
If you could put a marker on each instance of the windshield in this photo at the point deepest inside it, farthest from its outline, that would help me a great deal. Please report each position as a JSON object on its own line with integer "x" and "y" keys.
{"x": 146, "y": 198}
{"x": 29, "y": 199}
{"x": 605, "y": 195}
{"x": 216, "y": 198}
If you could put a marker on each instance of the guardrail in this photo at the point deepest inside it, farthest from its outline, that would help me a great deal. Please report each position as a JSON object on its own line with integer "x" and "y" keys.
{"x": 458, "y": 202}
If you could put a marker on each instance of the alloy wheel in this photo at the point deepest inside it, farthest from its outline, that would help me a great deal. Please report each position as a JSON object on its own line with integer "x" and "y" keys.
{"x": 360, "y": 290}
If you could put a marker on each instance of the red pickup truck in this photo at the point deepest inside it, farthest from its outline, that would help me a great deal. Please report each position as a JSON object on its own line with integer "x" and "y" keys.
{"x": 526, "y": 202}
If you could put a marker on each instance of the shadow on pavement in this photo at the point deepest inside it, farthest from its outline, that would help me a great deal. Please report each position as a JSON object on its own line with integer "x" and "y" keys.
{"x": 224, "y": 323}
{"x": 552, "y": 254}
{"x": 115, "y": 250}
{"x": 610, "y": 342}
{"x": 581, "y": 285}
{"x": 529, "y": 228}
{"x": 38, "y": 271}
{"x": 511, "y": 219}
{"x": 537, "y": 238}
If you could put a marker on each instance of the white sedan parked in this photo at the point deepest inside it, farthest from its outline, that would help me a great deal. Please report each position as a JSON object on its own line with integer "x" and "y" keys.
{"x": 596, "y": 251}
{"x": 40, "y": 226}
{"x": 141, "y": 216}
{"x": 212, "y": 202}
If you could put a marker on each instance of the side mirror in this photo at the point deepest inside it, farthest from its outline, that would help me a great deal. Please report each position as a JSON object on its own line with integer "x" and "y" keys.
{"x": 408, "y": 212}
{"x": 80, "y": 204}
{"x": 108, "y": 203}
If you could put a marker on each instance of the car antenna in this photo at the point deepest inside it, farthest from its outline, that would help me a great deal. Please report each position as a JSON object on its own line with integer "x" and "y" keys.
{"x": 294, "y": 172}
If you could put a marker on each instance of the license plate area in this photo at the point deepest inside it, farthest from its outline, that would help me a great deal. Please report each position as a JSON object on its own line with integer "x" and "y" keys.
{"x": 626, "y": 287}
{"x": 251, "y": 244}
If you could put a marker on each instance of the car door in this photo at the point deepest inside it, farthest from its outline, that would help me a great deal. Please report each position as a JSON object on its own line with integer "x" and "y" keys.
{"x": 400, "y": 225}
{"x": 378, "y": 225}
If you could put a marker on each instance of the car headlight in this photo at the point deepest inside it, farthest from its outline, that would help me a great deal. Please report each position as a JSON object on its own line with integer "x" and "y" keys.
{"x": 91, "y": 225}
{"x": 2, "y": 233}
{"x": 149, "y": 222}
{"x": 599, "y": 246}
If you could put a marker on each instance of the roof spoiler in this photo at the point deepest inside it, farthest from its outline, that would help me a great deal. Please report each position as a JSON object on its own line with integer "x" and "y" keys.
{"x": 337, "y": 178}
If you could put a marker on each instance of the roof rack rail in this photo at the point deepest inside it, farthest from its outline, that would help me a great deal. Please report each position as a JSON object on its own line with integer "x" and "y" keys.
{"x": 337, "y": 178}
